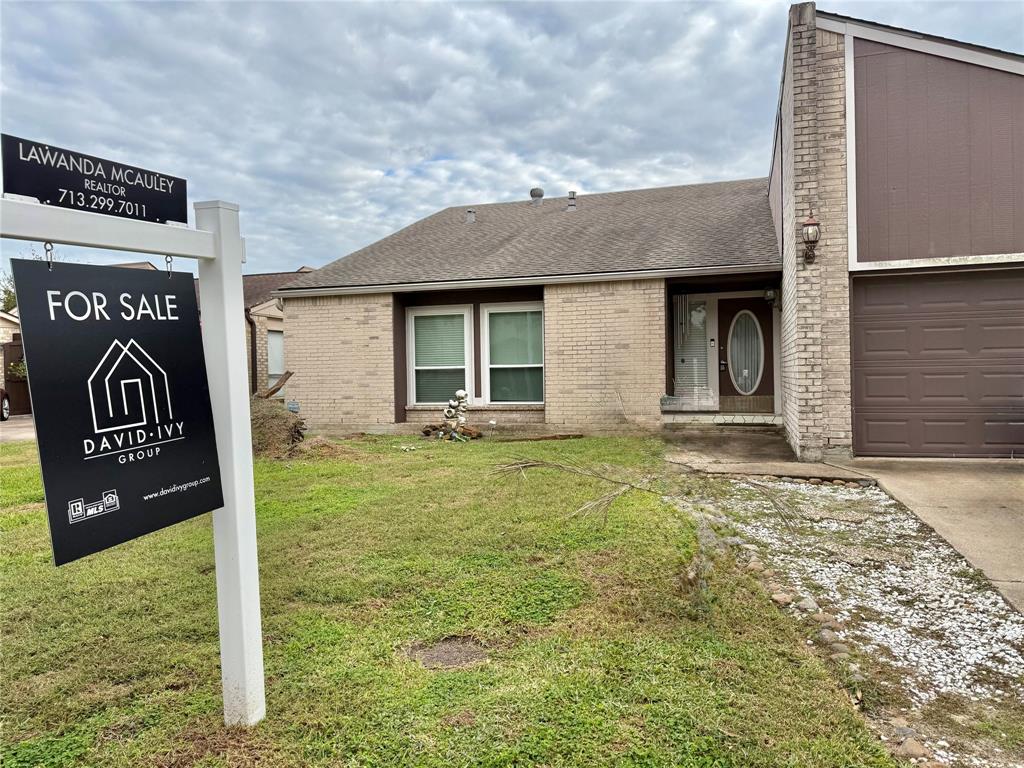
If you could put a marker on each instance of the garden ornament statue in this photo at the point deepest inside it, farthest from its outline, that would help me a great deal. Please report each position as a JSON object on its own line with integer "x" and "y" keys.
{"x": 455, "y": 417}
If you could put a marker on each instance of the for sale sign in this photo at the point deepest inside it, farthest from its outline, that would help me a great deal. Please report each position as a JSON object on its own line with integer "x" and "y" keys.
{"x": 120, "y": 400}
{"x": 68, "y": 179}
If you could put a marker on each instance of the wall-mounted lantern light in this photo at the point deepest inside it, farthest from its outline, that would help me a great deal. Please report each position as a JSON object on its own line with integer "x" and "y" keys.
{"x": 812, "y": 233}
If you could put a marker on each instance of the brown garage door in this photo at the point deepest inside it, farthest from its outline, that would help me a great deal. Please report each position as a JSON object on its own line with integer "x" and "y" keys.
{"x": 938, "y": 364}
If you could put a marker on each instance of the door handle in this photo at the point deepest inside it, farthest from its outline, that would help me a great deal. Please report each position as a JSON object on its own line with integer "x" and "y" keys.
{"x": 722, "y": 365}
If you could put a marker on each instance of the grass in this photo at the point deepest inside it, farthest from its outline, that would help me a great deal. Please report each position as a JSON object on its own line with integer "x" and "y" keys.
{"x": 595, "y": 653}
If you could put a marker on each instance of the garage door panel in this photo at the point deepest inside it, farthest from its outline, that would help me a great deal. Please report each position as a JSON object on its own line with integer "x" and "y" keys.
{"x": 938, "y": 386}
{"x": 1002, "y": 388}
{"x": 938, "y": 364}
{"x": 1008, "y": 433}
{"x": 945, "y": 388}
{"x": 923, "y": 293}
{"x": 969, "y": 435}
{"x": 937, "y": 339}
{"x": 1001, "y": 338}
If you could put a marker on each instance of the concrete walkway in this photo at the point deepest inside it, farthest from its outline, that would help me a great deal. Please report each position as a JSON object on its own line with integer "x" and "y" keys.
{"x": 977, "y": 505}
{"x": 17, "y": 428}
{"x": 746, "y": 452}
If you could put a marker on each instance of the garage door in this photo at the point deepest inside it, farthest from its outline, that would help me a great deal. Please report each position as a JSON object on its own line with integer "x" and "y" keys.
{"x": 938, "y": 364}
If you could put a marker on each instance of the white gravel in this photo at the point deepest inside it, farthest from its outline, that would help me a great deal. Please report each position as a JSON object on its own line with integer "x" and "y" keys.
{"x": 902, "y": 593}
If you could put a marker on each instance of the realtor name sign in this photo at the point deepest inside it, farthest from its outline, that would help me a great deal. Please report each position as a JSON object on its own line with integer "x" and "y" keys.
{"x": 68, "y": 179}
{"x": 121, "y": 401}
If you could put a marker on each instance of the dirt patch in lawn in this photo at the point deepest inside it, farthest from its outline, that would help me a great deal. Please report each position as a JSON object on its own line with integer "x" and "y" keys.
{"x": 449, "y": 653}
{"x": 321, "y": 448}
{"x": 237, "y": 747}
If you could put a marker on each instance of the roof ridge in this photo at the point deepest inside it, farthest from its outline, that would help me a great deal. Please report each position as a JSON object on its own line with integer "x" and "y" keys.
{"x": 637, "y": 190}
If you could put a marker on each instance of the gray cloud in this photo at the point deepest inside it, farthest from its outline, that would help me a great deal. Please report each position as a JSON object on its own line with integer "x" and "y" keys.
{"x": 333, "y": 124}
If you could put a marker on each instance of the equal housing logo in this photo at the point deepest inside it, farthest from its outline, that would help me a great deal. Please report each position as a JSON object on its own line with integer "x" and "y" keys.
{"x": 130, "y": 401}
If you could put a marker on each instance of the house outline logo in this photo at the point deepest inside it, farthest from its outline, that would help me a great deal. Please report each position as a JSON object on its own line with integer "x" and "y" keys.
{"x": 120, "y": 386}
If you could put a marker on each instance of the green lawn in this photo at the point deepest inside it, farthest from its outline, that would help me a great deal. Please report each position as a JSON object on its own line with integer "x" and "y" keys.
{"x": 597, "y": 652}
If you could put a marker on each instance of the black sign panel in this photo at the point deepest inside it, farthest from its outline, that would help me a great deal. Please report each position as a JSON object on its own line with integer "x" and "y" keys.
{"x": 120, "y": 399}
{"x": 69, "y": 179}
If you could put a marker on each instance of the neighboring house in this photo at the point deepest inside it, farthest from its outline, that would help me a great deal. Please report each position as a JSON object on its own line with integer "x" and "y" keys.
{"x": 901, "y": 333}
{"x": 264, "y": 326}
{"x": 10, "y": 326}
{"x": 264, "y": 348}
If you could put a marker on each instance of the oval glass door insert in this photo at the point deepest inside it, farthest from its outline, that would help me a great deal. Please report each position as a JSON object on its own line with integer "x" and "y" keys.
{"x": 746, "y": 352}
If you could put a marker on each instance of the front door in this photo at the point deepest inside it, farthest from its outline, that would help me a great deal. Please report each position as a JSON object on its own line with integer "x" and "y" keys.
{"x": 746, "y": 366}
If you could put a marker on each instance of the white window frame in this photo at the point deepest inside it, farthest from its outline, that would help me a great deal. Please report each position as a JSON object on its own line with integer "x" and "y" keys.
{"x": 277, "y": 378}
{"x": 411, "y": 313}
{"x": 485, "y": 346}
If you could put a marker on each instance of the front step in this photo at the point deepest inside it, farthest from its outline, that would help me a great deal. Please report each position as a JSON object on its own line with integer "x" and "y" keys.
{"x": 691, "y": 420}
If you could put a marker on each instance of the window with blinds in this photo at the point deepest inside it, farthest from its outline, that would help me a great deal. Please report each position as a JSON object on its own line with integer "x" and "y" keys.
{"x": 514, "y": 353}
{"x": 691, "y": 362}
{"x": 438, "y": 350}
{"x": 275, "y": 357}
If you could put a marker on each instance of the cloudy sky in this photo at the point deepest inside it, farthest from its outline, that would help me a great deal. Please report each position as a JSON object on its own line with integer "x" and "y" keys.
{"x": 333, "y": 124}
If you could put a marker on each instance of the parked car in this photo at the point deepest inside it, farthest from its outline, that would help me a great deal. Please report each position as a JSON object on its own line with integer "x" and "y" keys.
{"x": 5, "y": 405}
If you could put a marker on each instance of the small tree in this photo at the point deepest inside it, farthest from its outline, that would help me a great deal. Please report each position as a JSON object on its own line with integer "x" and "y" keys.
{"x": 8, "y": 300}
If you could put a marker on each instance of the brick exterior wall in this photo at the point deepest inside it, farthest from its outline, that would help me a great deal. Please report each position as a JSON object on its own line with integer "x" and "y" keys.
{"x": 604, "y": 354}
{"x": 262, "y": 371}
{"x": 480, "y": 416}
{"x": 341, "y": 349}
{"x": 815, "y": 313}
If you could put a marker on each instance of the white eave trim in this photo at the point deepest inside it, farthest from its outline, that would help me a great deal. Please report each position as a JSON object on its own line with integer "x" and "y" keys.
{"x": 922, "y": 44}
{"x": 504, "y": 282}
{"x": 939, "y": 261}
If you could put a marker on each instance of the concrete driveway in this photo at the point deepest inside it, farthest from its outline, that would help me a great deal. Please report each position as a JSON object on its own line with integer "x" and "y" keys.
{"x": 17, "y": 428}
{"x": 977, "y": 505}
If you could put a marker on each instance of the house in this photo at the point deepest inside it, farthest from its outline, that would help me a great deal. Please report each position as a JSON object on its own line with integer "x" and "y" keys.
{"x": 10, "y": 326}
{"x": 264, "y": 326}
{"x": 866, "y": 297}
{"x": 264, "y": 323}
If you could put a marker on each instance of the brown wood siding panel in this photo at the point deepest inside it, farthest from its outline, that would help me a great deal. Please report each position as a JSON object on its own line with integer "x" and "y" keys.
{"x": 940, "y": 156}
{"x": 938, "y": 363}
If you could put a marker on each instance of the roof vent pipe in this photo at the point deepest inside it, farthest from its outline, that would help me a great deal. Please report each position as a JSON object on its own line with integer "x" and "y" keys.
{"x": 572, "y": 201}
{"x": 470, "y": 216}
{"x": 537, "y": 195}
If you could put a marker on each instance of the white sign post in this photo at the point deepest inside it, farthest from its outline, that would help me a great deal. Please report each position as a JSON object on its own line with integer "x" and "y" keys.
{"x": 217, "y": 244}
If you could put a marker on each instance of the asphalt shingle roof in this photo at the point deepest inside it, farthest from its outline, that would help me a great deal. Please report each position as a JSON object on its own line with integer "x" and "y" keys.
{"x": 700, "y": 225}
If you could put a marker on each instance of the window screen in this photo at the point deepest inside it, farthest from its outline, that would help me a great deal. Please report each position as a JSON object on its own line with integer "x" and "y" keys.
{"x": 439, "y": 356}
{"x": 275, "y": 356}
{"x": 516, "y": 356}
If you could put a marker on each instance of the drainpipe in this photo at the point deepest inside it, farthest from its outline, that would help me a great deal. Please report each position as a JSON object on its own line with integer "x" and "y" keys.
{"x": 252, "y": 351}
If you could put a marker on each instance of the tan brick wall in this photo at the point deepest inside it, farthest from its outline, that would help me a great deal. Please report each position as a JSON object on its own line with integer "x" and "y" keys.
{"x": 261, "y": 352}
{"x": 480, "y": 416}
{"x": 837, "y": 429}
{"x": 341, "y": 350}
{"x": 815, "y": 315}
{"x": 604, "y": 354}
